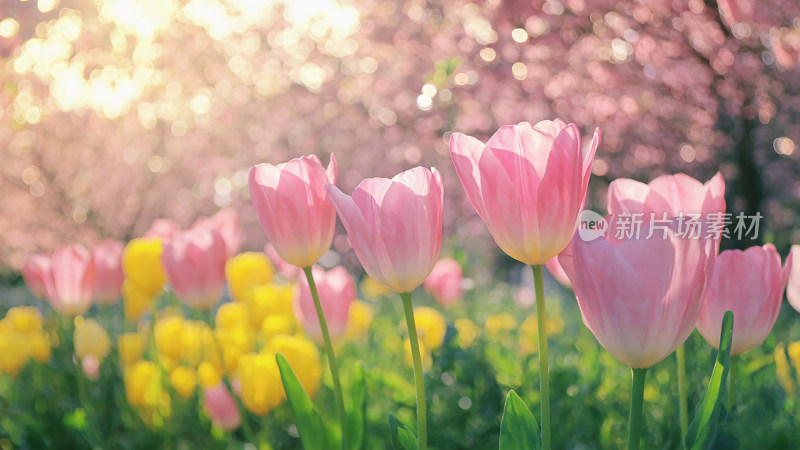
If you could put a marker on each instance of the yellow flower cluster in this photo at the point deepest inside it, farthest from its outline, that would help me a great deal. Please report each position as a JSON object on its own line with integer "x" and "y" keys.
{"x": 242, "y": 345}
{"x": 22, "y": 338}
{"x": 246, "y": 271}
{"x": 431, "y": 328}
{"x": 359, "y": 319}
{"x": 187, "y": 351}
{"x": 144, "y": 389}
{"x": 504, "y": 328}
{"x": 372, "y": 289}
{"x": 467, "y": 332}
{"x": 144, "y": 276}
{"x": 782, "y": 366}
{"x": 529, "y": 332}
{"x": 262, "y": 389}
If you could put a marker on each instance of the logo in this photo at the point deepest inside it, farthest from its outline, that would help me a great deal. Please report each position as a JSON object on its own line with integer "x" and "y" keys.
{"x": 591, "y": 225}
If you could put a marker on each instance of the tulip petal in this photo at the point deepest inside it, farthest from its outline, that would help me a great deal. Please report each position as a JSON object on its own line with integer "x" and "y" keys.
{"x": 465, "y": 151}
{"x": 560, "y": 193}
{"x": 359, "y": 230}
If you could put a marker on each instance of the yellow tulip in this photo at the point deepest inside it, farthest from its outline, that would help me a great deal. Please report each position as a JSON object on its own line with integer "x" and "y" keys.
{"x": 208, "y": 374}
{"x": 25, "y": 319}
{"x": 232, "y": 315}
{"x": 184, "y": 380}
{"x": 142, "y": 385}
{"x": 141, "y": 262}
{"x": 529, "y": 332}
{"x": 500, "y": 325}
{"x": 14, "y": 353}
{"x": 304, "y": 358}
{"x": 467, "y": 332}
{"x": 234, "y": 343}
{"x": 6, "y": 327}
{"x": 270, "y": 299}
{"x": 246, "y": 271}
{"x": 530, "y": 326}
{"x": 135, "y": 301}
{"x": 168, "y": 337}
{"x": 782, "y": 370}
{"x": 425, "y": 357}
{"x": 39, "y": 347}
{"x": 262, "y": 389}
{"x": 359, "y": 319}
{"x": 431, "y": 327}
{"x": 90, "y": 338}
{"x": 794, "y": 356}
{"x": 277, "y": 325}
{"x": 191, "y": 342}
{"x": 373, "y": 289}
{"x": 131, "y": 346}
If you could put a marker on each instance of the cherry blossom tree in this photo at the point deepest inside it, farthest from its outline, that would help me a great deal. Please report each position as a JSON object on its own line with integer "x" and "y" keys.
{"x": 117, "y": 112}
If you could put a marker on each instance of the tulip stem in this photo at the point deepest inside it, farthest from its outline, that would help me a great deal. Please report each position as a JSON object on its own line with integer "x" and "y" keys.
{"x": 544, "y": 371}
{"x": 732, "y": 381}
{"x": 337, "y": 385}
{"x": 637, "y": 399}
{"x": 422, "y": 420}
{"x": 680, "y": 355}
{"x": 92, "y": 427}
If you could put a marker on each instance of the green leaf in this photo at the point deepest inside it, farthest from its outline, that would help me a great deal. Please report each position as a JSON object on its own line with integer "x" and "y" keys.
{"x": 400, "y": 436}
{"x": 308, "y": 422}
{"x": 702, "y": 429}
{"x": 77, "y": 419}
{"x": 356, "y": 414}
{"x": 518, "y": 429}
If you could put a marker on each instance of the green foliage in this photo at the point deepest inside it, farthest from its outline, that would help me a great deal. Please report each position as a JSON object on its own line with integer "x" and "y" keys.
{"x": 400, "y": 436}
{"x": 356, "y": 410}
{"x": 518, "y": 430}
{"x": 702, "y": 429}
{"x": 465, "y": 389}
{"x": 309, "y": 424}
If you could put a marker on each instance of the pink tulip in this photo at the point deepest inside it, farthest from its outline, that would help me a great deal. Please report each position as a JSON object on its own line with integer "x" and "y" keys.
{"x": 395, "y": 226}
{"x": 221, "y": 407}
{"x": 337, "y": 290}
{"x": 91, "y": 367}
{"x": 286, "y": 270}
{"x": 528, "y": 183}
{"x": 226, "y": 222}
{"x": 639, "y": 297}
{"x": 671, "y": 194}
{"x": 293, "y": 207}
{"x": 558, "y": 272}
{"x": 162, "y": 228}
{"x": 35, "y": 271}
{"x": 108, "y": 275}
{"x": 444, "y": 282}
{"x": 70, "y": 281}
{"x": 793, "y": 288}
{"x": 750, "y": 283}
{"x": 194, "y": 262}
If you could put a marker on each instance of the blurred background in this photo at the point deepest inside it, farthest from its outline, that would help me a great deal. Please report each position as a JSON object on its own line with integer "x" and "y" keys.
{"x": 117, "y": 112}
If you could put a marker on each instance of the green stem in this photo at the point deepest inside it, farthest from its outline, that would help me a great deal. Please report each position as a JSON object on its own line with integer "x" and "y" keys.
{"x": 337, "y": 385}
{"x": 248, "y": 433}
{"x": 544, "y": 371}
{"x": 93, "y": 428}
{"x": 680, "y": 355}
{"x": 732, "y": 381}
{"x": 422, "y": 420}
{"x": 637, "y": 398}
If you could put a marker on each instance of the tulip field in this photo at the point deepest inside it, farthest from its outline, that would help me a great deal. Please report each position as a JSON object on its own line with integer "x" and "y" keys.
{"x": 345, "y": 224}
